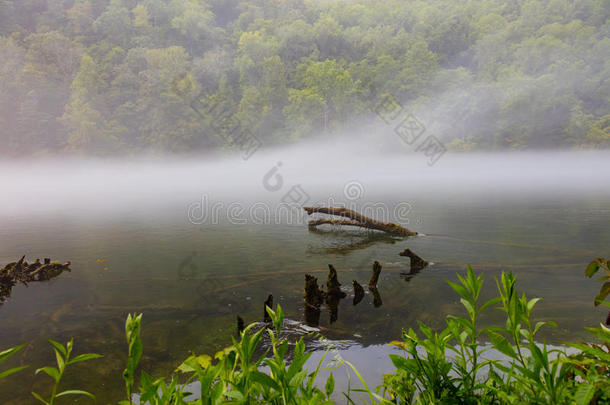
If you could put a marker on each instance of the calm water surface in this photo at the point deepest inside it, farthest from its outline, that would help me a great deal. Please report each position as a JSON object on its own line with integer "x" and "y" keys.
{"x": 191, "y": 279}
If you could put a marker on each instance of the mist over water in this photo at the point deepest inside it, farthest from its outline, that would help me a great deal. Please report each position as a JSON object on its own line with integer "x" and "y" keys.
{"x": 76, "y": 187}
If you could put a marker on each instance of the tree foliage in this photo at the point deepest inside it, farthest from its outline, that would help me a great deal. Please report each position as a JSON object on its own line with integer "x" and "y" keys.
{"x": 97, "y": 76}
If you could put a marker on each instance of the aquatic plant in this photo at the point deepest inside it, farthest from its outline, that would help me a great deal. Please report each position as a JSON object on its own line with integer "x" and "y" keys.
{"x": 5, "y": 355}
{"x": 450, "y": 366}
{"x": 62, "y": 356}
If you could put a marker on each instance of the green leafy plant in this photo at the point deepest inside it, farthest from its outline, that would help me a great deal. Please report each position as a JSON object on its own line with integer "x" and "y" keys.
{"x": 5, "y": 355}
{"x": 600, "y": 264}
{"x": 448, "y": 367}
{"x": 62, "y": 355}
{"x": 234, "y": 374}
{"x": 535, "y": 374}
{"x": 134, "y": 343}
{"x": 428, "y": 373}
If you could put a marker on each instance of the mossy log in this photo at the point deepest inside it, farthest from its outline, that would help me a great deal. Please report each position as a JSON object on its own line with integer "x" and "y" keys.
{"x": 23, "y": 272}
{"x": 355, "y": 219}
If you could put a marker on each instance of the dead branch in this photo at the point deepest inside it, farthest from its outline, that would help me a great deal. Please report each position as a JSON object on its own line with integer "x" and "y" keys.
{"x": 357, "y": 219}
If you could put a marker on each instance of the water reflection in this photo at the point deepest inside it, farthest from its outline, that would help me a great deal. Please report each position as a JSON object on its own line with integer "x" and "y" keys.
{"x": 345, "y": 241}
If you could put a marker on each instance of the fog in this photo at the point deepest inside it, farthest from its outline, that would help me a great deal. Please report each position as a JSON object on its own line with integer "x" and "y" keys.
{"x": 323, "y": 170}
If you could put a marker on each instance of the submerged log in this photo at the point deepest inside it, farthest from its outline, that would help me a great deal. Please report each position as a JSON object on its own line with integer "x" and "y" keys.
{"x": 417, "y": 263}
{"x": 355, "y": 219}
{"x": 375, "y": 275}
{"x": 358, "y": 292}
{"x": 333, "y": 286}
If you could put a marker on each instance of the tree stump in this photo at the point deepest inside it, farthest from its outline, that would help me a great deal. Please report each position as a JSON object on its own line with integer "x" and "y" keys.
{"x": 375, "y": 275}
{"x": 358, "y": 292}
{"x": 417, "y": 263}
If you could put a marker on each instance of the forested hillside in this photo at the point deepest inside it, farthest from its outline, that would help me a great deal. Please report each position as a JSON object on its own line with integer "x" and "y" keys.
{"x": 109, "y": 77}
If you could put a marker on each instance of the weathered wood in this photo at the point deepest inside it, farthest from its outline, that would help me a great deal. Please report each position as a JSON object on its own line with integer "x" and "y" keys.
{"x": 375, "y": 275}
{"x": 376, "y": 297}
{"x": 358, "y": 292}
{"x": 312, "y": 316}
{"x": 21, "y": 271}
{"x": 333, "y": 286}
{"x": 417, "y": 263}
{"x": 334, "y": 221}
{"x": 312, "y": 294}
{"x": 357, "y": 220}
{"x": 332, "y": 302}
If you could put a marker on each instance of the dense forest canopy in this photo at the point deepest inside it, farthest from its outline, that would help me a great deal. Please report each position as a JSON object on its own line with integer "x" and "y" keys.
{"x": 108, "y": 77}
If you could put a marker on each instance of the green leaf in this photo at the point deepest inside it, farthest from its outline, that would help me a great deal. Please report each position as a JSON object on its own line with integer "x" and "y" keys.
{"x": 51, "y": 371}
{"x": 329, "y": 387}
{"x": 458, "y": 288}
{"x": 468, "y": 306}
{"x": 75, "y": 392}
{"x": 58, "y": 346}
{"x": 584, "y": 393}
{"x": 264, "y": 380}
{"x": 9, "y": 352}
{"x": 60, "y": 360}
{"x": 10, "y": 371}
{"x": 399, "y": 362}
{"x": 531, "y": 303}
{"x": 603, "y": 293}
{"x": 38, "y": 397}
{"x": 592, "y": 268}
{"x": 502, "y": 344}
{"x": 85, "y": 357}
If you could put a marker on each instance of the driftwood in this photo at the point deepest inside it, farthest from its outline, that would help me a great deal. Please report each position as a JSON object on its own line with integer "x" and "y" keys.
{"x": 355, "y": 219}
{"x": 417, "y": 263}
{"x": 23, "y": 272}
{"x": 375, "y": 275}
{"x": 358, "y": 292}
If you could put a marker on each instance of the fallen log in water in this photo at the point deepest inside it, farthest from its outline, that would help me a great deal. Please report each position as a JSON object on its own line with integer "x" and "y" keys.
{"x": 355, "y": 219}
{"x": 23, "y": 272}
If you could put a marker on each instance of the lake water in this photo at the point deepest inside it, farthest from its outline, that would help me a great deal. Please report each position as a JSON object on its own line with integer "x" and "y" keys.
{"x": 191, "y": 244}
